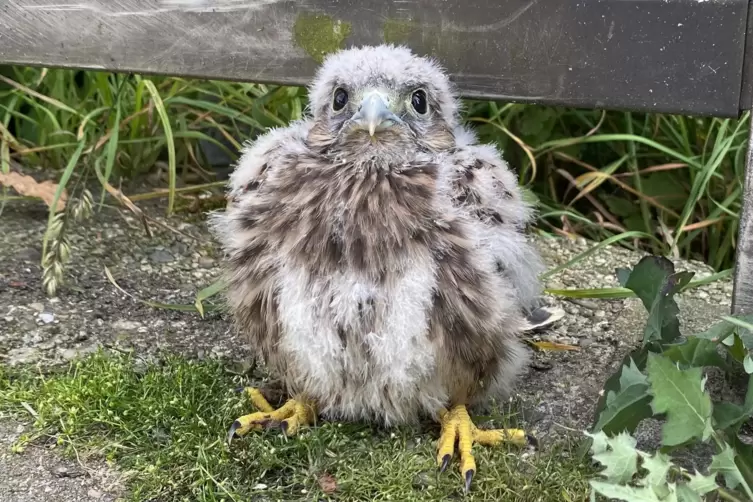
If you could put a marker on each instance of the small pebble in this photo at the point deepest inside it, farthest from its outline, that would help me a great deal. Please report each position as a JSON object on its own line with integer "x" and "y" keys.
{"x": 162, "y": 256}
{"x": 63, "y": 471}
{"x": 125, "y": 325}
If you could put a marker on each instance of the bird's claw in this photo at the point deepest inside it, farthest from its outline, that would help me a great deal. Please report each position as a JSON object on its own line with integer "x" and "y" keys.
{"x": 289, "y": 418}
{"x": 254, "y": 424}
{"x": 458, "y": 427}
{"x": 231, "y": 432}
{"x": 468, "y": 479}
{"x": 445, "y": 462}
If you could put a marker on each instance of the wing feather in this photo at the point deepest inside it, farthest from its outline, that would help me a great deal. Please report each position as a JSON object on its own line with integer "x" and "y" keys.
{"x": 481, "y": 184}
{"x": 252, "y": 263}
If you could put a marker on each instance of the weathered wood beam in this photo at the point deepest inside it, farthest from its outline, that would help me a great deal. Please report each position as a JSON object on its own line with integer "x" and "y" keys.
{"x": 681, "y": 56}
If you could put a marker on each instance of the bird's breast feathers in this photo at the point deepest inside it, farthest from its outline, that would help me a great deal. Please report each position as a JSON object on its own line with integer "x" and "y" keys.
{"x": 361, "y": 283}
{"x": 358, "y": 344}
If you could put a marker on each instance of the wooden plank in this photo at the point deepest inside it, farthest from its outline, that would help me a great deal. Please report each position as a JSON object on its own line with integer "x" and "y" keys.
{"x": 746, "y": 94}
{"x": 742, "y": 295}
{"x": 682, "y": 56}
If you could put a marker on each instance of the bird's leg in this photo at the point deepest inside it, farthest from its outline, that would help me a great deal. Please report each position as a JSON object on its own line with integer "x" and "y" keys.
{"x": 290, "y": 417}
{"x": 457, "y": 426}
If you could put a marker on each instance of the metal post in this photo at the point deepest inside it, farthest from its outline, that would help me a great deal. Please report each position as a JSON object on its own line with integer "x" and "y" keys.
{"x": 742, "y": 295}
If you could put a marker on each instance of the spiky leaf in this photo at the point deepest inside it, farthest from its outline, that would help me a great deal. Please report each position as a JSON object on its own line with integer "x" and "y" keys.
{"x": 686, "y": 494}
{"x": 625, "y": 408}
{"x": 680, "y": 395}
{"x": 702, "y": 484}
{"x": 724, "y": 329}
{"x": 655, "y": 282}
{"x": 743, "y": 458}
{"x": 613, "y": 385}
{"x": 599, "y": 443}
{"x": 657, "y": 466}
{"x": 696, "y": 352}
{"x": 724, "y": 463}
{"x": 628, "y": 493}
{"x": 620, "y": 460}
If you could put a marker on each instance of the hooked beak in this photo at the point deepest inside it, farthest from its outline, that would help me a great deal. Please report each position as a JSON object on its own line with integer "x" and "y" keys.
{"x": 374, "y": 114}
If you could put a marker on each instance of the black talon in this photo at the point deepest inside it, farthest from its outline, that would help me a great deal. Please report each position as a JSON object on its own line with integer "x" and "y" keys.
{"x": 239, "y": 389}
{"x": 284, "y": 426}
{"x": 445, "y": 462}
{"x": 468, "y": 479}
{"x": 236, "y": 425}
{"x": 532, "y": 441}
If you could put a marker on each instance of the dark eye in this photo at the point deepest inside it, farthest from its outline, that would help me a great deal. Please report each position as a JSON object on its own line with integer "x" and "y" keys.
{"x": 340, "y": 99}
{"x": 418, "y": 100}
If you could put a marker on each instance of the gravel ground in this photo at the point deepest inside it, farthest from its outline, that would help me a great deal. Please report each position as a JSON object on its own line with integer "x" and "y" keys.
{"x": 39, "y": 475}
{"x": 559, "y": 391}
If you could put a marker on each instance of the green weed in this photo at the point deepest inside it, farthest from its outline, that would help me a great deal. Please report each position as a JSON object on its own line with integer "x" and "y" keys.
{"x": 664, "y": 378}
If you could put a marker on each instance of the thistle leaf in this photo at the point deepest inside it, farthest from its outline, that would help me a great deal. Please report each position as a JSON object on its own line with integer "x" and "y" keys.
{"x": 724, "y": 463}
{"x": 655, "y": 282}
{"x": 696, "y": 352}
{"x": 620, "y": 460}
{"x": 680, "y": 395}
{"x": 702, "y": 484}
{"x": 657, "y": 466}
{"x": 626, "y": 407}
{"x": 627, "y": 493}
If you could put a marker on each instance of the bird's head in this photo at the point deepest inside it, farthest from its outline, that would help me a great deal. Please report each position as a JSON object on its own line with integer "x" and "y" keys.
{"x": 382, "y": 99}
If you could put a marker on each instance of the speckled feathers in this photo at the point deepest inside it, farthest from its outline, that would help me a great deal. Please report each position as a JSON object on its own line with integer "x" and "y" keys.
{"x": 382, "y": 277}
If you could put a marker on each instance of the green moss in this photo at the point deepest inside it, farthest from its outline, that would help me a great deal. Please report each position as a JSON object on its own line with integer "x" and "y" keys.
{"x": 320, "y": 35}
{"x": 397, "y": 31}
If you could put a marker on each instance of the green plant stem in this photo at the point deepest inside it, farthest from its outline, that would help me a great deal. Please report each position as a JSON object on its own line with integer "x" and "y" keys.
{"x": 633, "y": 164}
{"x": 727, "y": 495}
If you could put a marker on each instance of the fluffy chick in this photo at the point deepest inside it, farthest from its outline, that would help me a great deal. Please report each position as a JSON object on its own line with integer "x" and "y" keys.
{"x": 376, "y": 255}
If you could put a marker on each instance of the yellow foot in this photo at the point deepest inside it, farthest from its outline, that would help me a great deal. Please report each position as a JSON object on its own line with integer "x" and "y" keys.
{"x": 457, "y": 426}
{"x": 293, "y": 415}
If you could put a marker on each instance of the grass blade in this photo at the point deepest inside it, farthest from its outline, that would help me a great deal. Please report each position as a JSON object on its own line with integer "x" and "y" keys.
{"x": 41, "y": 97}
{"x": 208, "y": 292}
{"x": 606, "y": 242}
{"x": 162, "y": 112}
{"x": 112, "y": 147}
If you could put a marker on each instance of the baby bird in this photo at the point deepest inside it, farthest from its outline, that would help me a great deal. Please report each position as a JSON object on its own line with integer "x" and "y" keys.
{"x": 376, "y": 257}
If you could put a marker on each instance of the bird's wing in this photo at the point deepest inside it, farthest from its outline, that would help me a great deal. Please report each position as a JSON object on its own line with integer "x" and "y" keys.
{"x": 479, "y": 183}
{"x": 248, "y": 237}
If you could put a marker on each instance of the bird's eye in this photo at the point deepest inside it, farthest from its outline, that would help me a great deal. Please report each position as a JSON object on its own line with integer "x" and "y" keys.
{"x": 340, "y": 99}
{"x": 418, "y": 101}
